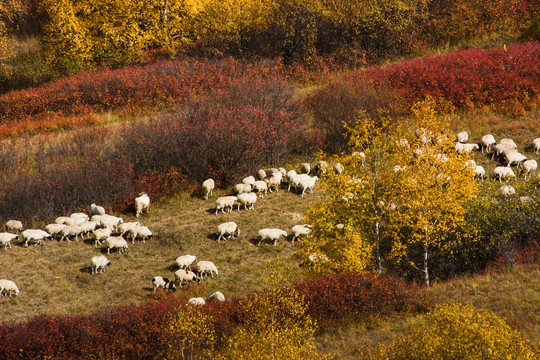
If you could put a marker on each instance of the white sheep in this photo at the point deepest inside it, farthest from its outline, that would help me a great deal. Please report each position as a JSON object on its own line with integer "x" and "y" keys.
{"x": 273, "y": 180}
{"x": 98, "y": 264}
{"x": 7, "y": 238}
{"x": 141, "y": 233}
{"x": 465, "y": 148}
{"x": 338, "y": 168}
{"x": 8, "y": 286}
{"x": 260, "y": 187}
{"x": 271, "y": 171}
{"x": 502, "y": 150}
{"x": 479, "y": 172}
{"x": 185, "y": 261}
{"x": 164, "y": 283}
{"x": 116, "y": 242}
{"x": 65, "y": 220}
{"x": 217, "y": 296}
{"x": 80, "y": 215}
{"x": 261, "y": 174}
{"x": 305, "y": 168}
{"x": 14, "y": 226}
{"x": 69, "y": 231}
{"x": 109, "y": 221}
{"x": 198, "y": 301}
{"x": 225, "y": 202}
{"x": 299, "y": 230}
{"x": 508, "y": 190}
{"x": 55, "y": 229}
{"x": 97, "y": 210}
{"x": 101, "y": 234}
{"x": 206, "y": 267}
{"x": 536, "y": 145}
{"x": 295, "y": 180}
{"x": 227, "y": 230}
{"x": 508, "y": 142}
{"x": 208, "y": 186}
{"x": 462, "y": 137}
{"x": 123, "y": 228}
{"x": 242, "y": 188}
{"x": 290, "y": 174}
{"x": 308, "y": 184}
{"x": 515, "y": 157}
{"x": 249, "y": 180}
{"x": 282, "y": 171}
{"x": 142, "y": 203}
{"x": 248, "y": 200}
{"x": 89, "y": 226}
{"x": 503, "y": 172}
{"x": 530, "y": 166}
{"x": 320, "y": 168}
{"x": 187, "y": 276}
{"x": 35, "y": 235}
{"x": 487, "y": 142}
{"x": 271, "y": 235}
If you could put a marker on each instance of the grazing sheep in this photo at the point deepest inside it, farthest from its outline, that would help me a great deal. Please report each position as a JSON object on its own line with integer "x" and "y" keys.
{"x": 141, "y": 233}
{"x": 249, "y": 180}
{"x": 305, "y": 168}
{"x": 225, "y": 202}
{"x": 271, "y": 235}
{"x": 14, "y": 226}
{"x": 536, "y": 145}
{"x": 127, "y": 226}
{"x": 142, "y": 203}
{"x": 296, "y": 180}
{"x": 164, "y": 283}
{"x": 299, "y": 230}
{"x": 502, "y": 150}
{"x": 55, "y": 229}
{"x": 226, "y": 230}
{"x": 462, "y": 137}
{"x": 242, "y": 188}
{"x": 290, "y": 174}
{"x": 271, "y": 171}
{"x": 185, "y": 261}
{"x": 208, "y": 186}
{"x": 260, "y": 187}
{"x": 308, "y": 184}
{"x": 465, "y": 148}
{"x": 273, "y": 180}
{"x": 508, "y": 190}
{"x": 99, "y": 263}
{"x": 68, "y": 231}
{"x": 338, "y": 168}
{"x": 515, "y": 157}
{"x": 248, "y": 200}
{"x": 35, "y": 235}
{"x": 65, "y": 220}
{"x": 8, "y": 286}
{"x": 186, "y": 276}
{"x": 100, "y": 235}
{"x": 206, "y": 267}
{"x": 97, "y": 210}
{"x": 530, "y": 166}
{"x": 80, "y": 216}
{"x": 479, "y": 172}
{"x": 217, "y": 296}
{"x": 282, "y": 171}
{"x": 487, "y": 142}
{"x": 320, "y": 169}
{"x": 503, "y": 172}
{"x": 116, "y": 242}
{"x": 261, "y": 174}
{"x": 109, "y": 221}
{"x": 198, "y": 301}
{"x": 508, "y": 142}
{"x": 6, "y": 238}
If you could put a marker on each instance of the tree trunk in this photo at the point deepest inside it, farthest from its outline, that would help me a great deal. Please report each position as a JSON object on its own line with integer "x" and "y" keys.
{"x": 426, "y": 270}
{"x": 377, "y": 246}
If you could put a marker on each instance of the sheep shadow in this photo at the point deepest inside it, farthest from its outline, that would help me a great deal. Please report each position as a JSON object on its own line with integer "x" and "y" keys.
{"x": 254, "y": 241}
{"x": 86, "y": 269}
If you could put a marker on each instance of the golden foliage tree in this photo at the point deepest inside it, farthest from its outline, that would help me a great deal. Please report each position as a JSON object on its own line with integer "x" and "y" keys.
{"x": 457, "y": 331}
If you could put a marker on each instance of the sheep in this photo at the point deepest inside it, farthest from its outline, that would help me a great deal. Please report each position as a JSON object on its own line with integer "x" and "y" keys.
{"x": 299, "y": 230}
{"x": 282, "y": 171}
{"x": 479, "y": 172}
{"x": 68, "y": 231}
{"x": 142, "y": 233}
{"x": 249, "y": 180}
{"x": 338, "y": 168}
{"x": 99, "y": 263}
{"x": 206, "y": 267}
{"x": 185, "y": 261}
{"x": 308, "y": 184}
{"x": 89, "y": 226}
{"x": 198, "y": 301}
{"x": 8, "y": 286}
{"x": 36, "y": 235}
{"x": 55, "y": 229}
{"x": 97, "y": 210}
{"x": 515, "y": 157}
{"x": 248, "y": 200}
{"x": 14, "y": 226}
{"x": 116, "y": 242}
{"x": 296, "y": 180}
{"x": 503, "y": 171}
{"x": 487, "y": 142}
{"x": 217, "y": 296}
{"x": 164, "y": 283}
{"x": 502, "y": 149}
{"x": 462, "y": 137}
{"x": 508, "y": 142}
{"x": 109, "y": 221}
{"x": 6, "y": 238}
{"x": 290, "y": 174}
{"x": 127, "y": 226}
{"x": 507, "y": 190}
{"x": 320, "y": 169}
{"x": 271, "y": 234}
{"x": 226, "y": 230}
{"x": 273, "y": 180}
{"x": 80, "y": 216}
{"x": 536, "y": 145}
{"x": 261, "y": 187}
{"x": 305, "y": 168}
{"x": 272, "y": 171}
{"x": 100, "y": 235}
{"x": 186, "y": 276}
{"x": 225, "y": 202}
{"x": 208, "y": 186}
{"x": 65, "y": 220}
{"x": 242, "y": 188}
{"x": 465, "y": 148}
{"x": 530, "y": 166}
{"x": 261, "y": 174}
{"x": 142, "y": 203}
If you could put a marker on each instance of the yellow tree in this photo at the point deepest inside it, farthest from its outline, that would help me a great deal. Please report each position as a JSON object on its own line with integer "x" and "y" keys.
{"x": 436, "y": 184}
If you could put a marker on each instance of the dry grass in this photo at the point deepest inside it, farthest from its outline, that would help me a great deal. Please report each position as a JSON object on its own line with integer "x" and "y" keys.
{"x": 55, "y": 278}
